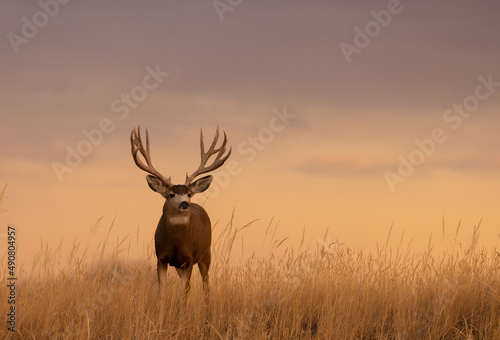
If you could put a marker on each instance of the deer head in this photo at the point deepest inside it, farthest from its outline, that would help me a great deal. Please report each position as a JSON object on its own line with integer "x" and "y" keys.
{"x": 178, "y": 197}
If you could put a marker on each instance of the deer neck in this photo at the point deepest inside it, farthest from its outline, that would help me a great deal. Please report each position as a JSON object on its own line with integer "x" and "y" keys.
{"x": 179, "y": 220}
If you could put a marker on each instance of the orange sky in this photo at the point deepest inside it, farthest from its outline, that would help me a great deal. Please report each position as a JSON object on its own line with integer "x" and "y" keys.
{"x": 346, "y": 116}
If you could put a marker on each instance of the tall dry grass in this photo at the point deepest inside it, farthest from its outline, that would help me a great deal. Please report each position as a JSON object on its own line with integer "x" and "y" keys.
{"x": 330, "y": 292}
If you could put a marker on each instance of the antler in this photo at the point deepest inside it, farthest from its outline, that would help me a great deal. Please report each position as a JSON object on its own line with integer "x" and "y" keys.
{"x": 206, "y": 155}
{"x": 138, "y": 146}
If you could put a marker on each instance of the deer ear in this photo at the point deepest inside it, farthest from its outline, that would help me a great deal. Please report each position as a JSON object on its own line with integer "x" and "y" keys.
{"x": 156, "y": 185}
{"x": 201, "y": 185}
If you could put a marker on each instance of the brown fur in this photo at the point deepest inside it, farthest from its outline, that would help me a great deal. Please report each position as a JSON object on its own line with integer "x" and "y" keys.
{"x": 185, "y": 242}
{"x": 182, "y": 246}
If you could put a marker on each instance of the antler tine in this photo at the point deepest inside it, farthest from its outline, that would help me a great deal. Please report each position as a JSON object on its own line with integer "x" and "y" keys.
{"x": 138, "y": 146}
{"x": 214, "y": 141}
{"x": 219, "y": 160}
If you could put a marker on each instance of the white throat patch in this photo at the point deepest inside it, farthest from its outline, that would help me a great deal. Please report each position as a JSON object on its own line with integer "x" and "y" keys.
{"x": 179, "y": 220}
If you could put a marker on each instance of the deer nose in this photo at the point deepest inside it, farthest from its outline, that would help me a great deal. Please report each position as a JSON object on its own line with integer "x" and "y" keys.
{"x": 184, "y": 205}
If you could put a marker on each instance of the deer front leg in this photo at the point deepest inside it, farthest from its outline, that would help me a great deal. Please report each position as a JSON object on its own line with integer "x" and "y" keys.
{"x": 162, "y": 277}
{"x": 185, "y": 275}
{"x": 204, "y": 274}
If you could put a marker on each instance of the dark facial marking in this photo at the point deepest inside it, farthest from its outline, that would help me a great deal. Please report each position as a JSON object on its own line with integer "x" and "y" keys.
{"x": 179, "y": 189}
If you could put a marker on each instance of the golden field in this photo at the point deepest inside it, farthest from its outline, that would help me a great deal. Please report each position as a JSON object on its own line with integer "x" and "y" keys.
{"x": 329, "y": 292}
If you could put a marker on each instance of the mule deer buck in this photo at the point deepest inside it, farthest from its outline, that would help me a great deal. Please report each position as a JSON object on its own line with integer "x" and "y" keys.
{"x": 183, "y": 235}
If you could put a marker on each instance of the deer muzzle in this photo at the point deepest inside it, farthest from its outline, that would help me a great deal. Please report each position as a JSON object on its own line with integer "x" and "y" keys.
{"x": 184, "y": 205}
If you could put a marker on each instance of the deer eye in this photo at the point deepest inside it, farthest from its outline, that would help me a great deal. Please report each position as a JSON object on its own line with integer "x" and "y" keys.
{"x": 171, "y": 195}
{"x": 190, "y": 194}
